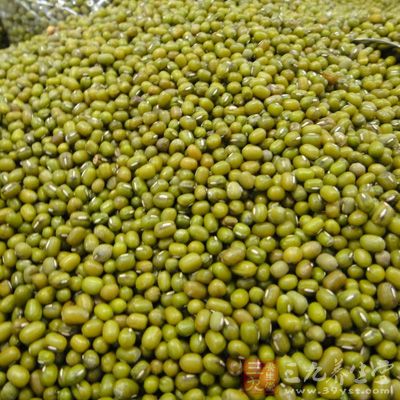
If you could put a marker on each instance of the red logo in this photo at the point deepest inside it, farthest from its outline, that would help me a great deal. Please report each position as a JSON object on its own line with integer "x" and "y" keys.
{"x": 259, "y": 378}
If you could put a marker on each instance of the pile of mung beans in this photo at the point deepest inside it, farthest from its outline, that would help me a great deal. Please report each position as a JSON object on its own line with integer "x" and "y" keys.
{"x": 187, "y": 186}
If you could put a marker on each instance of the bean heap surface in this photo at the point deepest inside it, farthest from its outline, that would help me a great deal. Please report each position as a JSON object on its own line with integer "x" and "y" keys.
{"x": 187, "y": 187}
